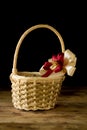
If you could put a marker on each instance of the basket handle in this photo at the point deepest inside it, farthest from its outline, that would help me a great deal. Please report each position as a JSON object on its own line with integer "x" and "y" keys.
{"x": 14, "y": 70}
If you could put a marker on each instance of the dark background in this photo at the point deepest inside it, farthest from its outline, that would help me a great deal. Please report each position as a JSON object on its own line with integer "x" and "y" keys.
{"x": 68, "y": 18}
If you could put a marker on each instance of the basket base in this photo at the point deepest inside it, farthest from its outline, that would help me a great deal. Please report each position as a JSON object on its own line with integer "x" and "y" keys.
{"x": 34, "y": 108}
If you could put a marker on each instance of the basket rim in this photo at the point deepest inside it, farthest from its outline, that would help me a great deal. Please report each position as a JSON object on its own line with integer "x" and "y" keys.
{"x": 36, "y": 75}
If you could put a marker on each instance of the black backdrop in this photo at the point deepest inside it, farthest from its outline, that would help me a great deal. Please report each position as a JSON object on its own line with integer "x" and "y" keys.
{"x": 69, "y": 20}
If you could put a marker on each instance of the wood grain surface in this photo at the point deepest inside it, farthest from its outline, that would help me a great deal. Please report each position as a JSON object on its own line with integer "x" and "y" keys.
{"x": 69, "y": 114}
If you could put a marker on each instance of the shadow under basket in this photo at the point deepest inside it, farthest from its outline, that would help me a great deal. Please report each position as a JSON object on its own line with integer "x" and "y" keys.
{"x": 30, "y": 91}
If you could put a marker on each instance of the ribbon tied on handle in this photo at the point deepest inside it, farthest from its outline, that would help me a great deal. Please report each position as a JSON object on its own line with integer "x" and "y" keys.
{"x": 63, "y": 61}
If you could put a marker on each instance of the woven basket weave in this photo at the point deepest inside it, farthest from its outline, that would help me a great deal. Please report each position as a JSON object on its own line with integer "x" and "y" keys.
{"x": 30, "y": 91}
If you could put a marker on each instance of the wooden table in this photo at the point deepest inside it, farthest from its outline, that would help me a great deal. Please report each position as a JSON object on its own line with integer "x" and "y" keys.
{"x": 69, "y": 114}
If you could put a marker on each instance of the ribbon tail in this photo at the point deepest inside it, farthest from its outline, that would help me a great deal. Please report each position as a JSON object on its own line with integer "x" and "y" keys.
{"x": 70, "y": 70}
{"x": 47, "y": 73}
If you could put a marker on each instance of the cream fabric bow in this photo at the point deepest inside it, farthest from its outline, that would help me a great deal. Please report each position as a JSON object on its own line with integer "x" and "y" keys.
{"x": 69, "y": 62}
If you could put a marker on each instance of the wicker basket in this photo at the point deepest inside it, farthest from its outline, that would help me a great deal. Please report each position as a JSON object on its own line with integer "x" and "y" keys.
{"x": 30, "y": 91}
